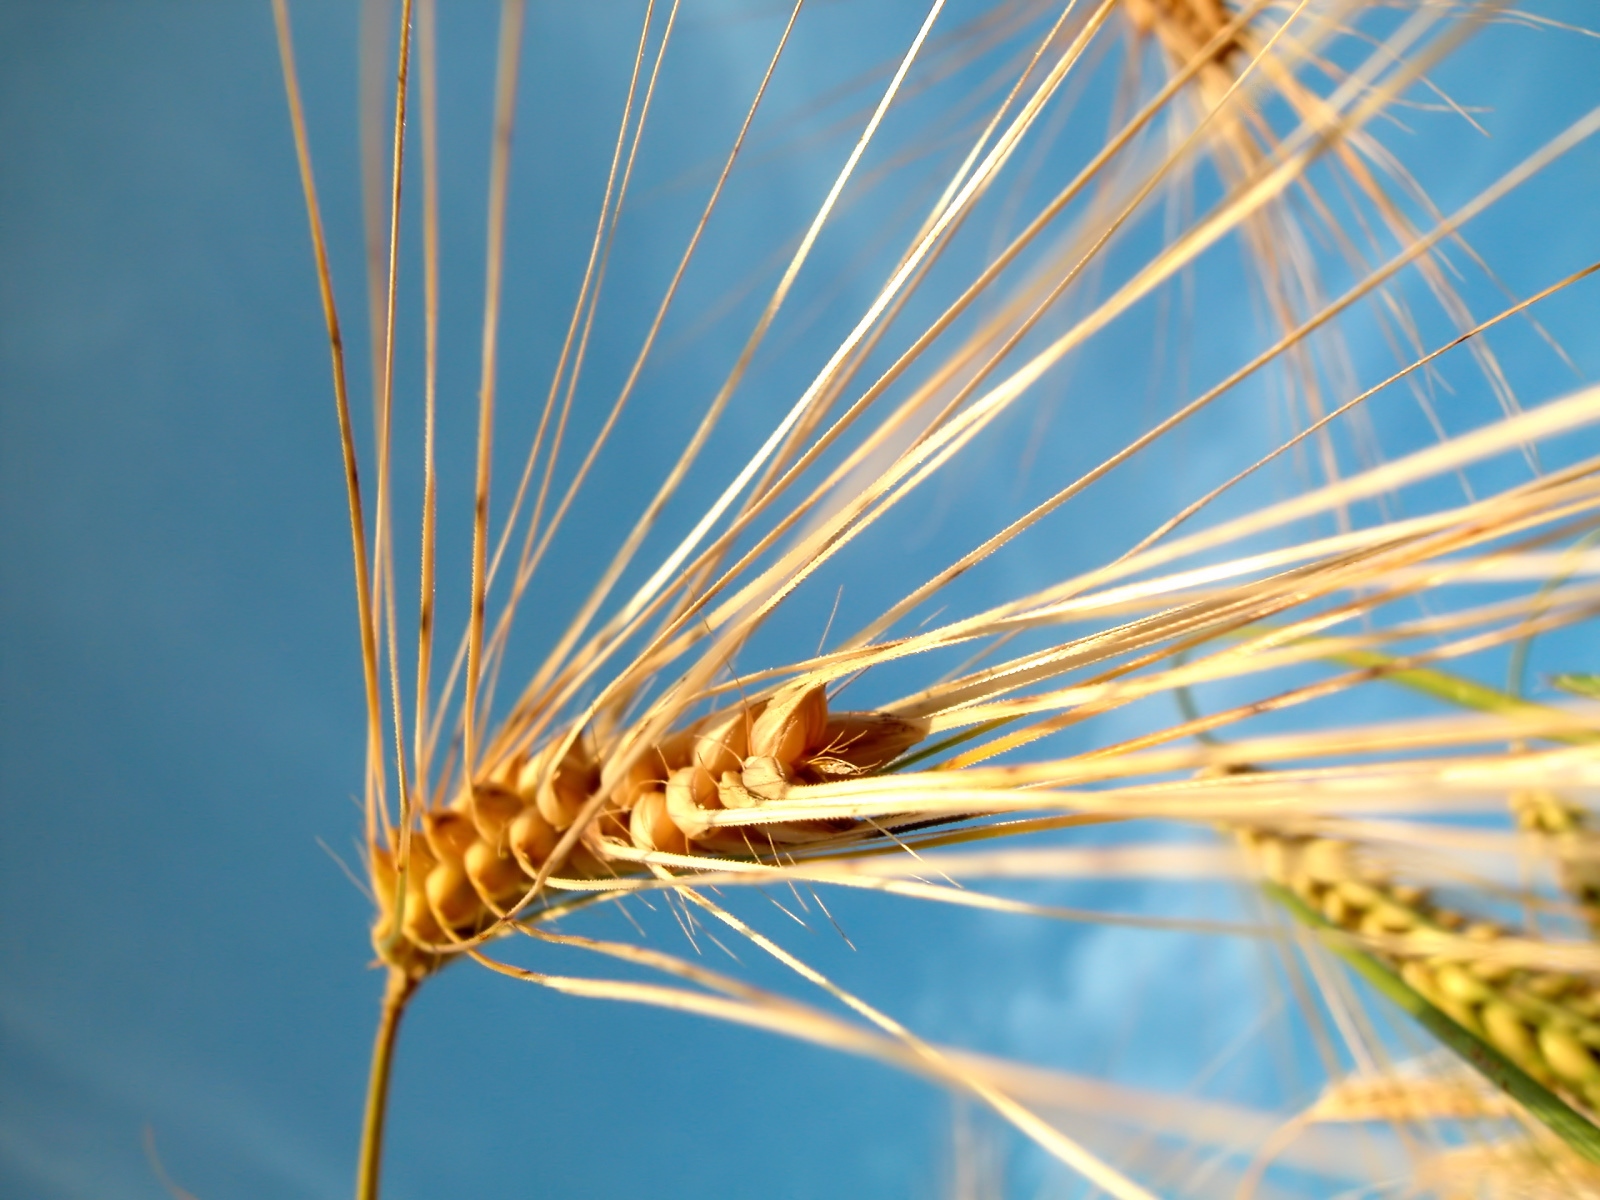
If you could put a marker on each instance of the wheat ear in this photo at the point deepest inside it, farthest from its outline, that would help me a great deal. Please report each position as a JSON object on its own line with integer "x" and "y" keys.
{"x": 1545, "y": 1022}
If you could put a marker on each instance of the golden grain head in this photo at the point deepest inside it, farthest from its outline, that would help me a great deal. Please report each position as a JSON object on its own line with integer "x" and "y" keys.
{"x": 480, "y": 856}
{"x": 639, "y": 759}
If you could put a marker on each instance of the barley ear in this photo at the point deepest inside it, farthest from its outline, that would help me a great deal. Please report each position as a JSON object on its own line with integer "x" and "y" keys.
{"x": 1497, "y": 1067}
{"x": 1494, "y": 1018}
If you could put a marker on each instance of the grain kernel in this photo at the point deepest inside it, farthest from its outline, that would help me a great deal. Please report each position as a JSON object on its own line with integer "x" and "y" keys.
{"x": 1455, "y": 982}
{"x": 1569, "y": 1057}
{"x": 452, "y": 898}
{"x": 1361, "y": 895}
{"x": 1275, "y": 860}
{"x": 1408, "y": 894}
{"x": 532, "y": 839}
{"x": 493, "y": 808}
{"x": 652, "y": 828}
{"x": 1328, "y": 861}
{"x": 494, "y": 874}
{"x": 1508, "y": 1033}
{"x": 791, "y": 724}
{"x": 561, "y": 791}
{"x": 725, "y": 740}
{"x": 1546, "y": 986}
{"x": 1420, "y": 980}
{"x": 449, "y": 833}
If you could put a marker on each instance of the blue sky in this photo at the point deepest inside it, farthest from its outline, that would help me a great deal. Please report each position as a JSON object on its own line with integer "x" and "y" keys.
{"x": 180, "y": 699}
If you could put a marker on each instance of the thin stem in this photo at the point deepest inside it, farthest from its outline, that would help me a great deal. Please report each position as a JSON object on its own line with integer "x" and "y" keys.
{"x": 396, "y": 994}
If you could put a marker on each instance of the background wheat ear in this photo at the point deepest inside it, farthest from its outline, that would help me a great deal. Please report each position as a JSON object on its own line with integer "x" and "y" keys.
{"x": 181, "y": 691}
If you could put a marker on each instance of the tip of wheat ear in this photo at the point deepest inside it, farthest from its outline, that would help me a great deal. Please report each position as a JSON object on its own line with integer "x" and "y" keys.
{"x": 478, "y": 855}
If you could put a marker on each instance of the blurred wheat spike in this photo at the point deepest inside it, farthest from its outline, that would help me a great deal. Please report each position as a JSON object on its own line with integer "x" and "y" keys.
{"x": 635, "y": 759}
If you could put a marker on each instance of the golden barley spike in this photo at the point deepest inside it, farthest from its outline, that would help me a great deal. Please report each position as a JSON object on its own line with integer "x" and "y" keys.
{"x": 482, "y": 854}
{"x": 630, "y": 762}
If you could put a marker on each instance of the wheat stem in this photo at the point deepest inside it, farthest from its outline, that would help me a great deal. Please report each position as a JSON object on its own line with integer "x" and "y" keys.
{"x": 397, "y": 993}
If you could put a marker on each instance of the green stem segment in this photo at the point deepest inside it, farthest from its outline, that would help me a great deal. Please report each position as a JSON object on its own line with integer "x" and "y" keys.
{"x": 396, "y": 994}
{"x": 1569, "y": 1125}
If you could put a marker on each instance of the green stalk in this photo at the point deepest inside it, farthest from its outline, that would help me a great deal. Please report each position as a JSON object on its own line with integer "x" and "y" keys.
{"x": 396, "y": 994}
{"x": 1453, "y": 689}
